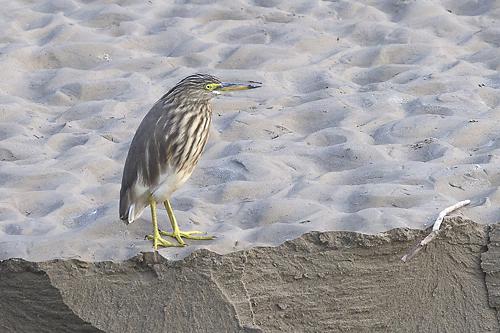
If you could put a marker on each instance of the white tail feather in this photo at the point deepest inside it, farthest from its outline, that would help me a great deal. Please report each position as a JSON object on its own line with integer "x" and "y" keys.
{"x": 131, "y": 211}
{"x": 134, "y": 214}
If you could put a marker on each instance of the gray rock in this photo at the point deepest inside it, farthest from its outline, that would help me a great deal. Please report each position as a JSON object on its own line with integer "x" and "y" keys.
{"x": 320, "y": 282}
{"x": 491, "y": 266}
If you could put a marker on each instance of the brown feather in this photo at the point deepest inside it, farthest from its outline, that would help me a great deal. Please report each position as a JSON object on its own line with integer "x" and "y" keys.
{"x": 163, "y": 141}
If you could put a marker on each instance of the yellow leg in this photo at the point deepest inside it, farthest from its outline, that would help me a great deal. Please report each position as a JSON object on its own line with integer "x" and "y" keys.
{"x": 156, "y": 238}
{"x": 177, "y": 234}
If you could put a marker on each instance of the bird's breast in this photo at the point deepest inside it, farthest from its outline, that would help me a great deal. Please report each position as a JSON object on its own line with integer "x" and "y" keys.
{"x": 187, "y": 146}
{"x": 187, "y": 149}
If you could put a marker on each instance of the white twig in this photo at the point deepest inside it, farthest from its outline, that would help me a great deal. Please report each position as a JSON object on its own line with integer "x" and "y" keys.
{"x": 447, "y": 211}
{"x": 435, "y": 229}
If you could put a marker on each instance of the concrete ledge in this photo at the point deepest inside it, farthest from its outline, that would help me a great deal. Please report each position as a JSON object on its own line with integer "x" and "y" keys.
{"x": 320, "y": 282}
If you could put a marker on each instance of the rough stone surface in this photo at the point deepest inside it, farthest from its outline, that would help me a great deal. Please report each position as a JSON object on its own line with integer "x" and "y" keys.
{"x": 491, "y": 266}
{"x": 30, "y": 303}
{"x": 320, "y": 282}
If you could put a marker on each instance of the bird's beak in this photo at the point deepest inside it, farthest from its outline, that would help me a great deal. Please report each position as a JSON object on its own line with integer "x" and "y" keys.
{"x": 227, "y": 86}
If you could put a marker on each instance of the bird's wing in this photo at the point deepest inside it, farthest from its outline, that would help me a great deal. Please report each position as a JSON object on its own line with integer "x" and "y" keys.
{"x": 147, "y": 158}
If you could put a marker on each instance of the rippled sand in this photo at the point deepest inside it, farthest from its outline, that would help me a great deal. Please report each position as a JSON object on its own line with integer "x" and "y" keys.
{"x": 373, "y": 115}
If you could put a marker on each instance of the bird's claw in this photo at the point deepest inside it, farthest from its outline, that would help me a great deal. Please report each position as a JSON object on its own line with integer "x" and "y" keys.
{"x": 158, "y": 241}
{"x": 179, "y": 235}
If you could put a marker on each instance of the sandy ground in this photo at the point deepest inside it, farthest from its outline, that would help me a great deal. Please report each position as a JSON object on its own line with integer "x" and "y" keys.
{"x": 373, "y": 115}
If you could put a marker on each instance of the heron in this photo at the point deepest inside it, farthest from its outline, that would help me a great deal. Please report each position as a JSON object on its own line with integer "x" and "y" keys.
{"x": 165, "y": 150}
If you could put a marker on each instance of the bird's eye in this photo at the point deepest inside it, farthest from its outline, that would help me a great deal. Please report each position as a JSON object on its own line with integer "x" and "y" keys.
{"x": 208, "y": 87}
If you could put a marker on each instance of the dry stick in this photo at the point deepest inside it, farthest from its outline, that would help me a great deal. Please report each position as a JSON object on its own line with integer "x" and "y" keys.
{"x": 435, "y": 230}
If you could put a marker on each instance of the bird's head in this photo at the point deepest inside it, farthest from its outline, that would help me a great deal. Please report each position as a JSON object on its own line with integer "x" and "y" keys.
{"x": 204, "y": 87}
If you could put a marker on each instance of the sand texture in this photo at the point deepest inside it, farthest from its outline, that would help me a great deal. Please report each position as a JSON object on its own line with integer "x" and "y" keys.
{"x": 373, "y": 115}
{"x": 320, "y": 282}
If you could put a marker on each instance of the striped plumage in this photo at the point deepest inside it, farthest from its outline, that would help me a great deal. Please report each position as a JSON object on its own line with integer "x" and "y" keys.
{"x": 166, "y": 148}
{"x": 167, "y": 145}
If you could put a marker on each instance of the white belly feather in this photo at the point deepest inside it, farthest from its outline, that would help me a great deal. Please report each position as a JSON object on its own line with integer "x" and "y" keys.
{"x": 170, "y": 181}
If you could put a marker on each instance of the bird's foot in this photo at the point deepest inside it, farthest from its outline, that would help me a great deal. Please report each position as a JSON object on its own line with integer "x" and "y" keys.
{"x": 179, "y": 235}
{"x": 158, "y": 241}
